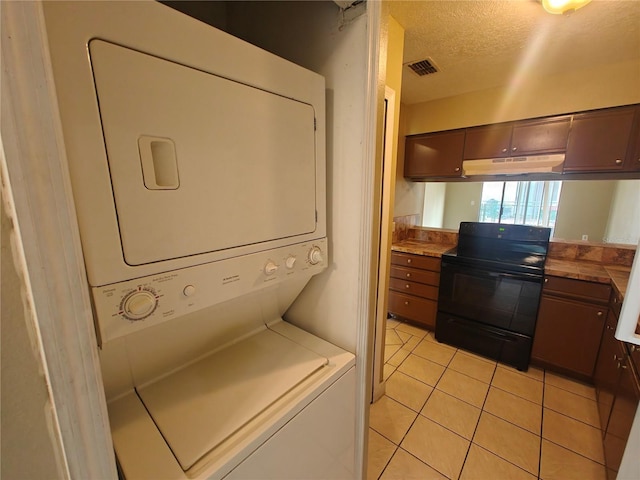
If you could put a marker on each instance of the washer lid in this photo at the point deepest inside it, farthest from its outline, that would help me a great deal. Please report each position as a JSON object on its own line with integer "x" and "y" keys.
{"x": 199, "y": 407}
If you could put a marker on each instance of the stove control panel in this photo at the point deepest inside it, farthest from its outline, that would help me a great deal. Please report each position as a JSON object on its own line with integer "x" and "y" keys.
{"x": 127, "y": 307}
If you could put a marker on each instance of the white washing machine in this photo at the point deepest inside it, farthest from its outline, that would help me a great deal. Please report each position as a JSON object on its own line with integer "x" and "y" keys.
{"x": 197, "y": 164}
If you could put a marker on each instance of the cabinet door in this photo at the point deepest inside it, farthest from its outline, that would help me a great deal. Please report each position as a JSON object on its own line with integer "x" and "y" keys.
{"x": 622, "y": 414}
{"x": 598, "y": 141}
{"x": 607, "y": 373}
{"x": 546, "y": 136}
{"x": 568, "y": 335}
{"x": 633, "y": 159}
{"x": 491, "y": 141}
{"x": 434, "y": 154}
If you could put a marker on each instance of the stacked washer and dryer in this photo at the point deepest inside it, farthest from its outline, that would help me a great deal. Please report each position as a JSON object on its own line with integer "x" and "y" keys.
{"x": 197, "y": 164}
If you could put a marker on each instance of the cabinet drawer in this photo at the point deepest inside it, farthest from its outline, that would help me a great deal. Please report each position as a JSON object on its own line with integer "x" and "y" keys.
{"x": 568, "y": 287}
{"x": 413, "y": 288}
{"x": 413, "y": 308}
{"x": 415, "y": 261}
{"x": 415, "y": 275}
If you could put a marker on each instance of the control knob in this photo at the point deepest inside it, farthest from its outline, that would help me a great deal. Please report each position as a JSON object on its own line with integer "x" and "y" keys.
{"x": 270, "y": 268}
{"x": 139, "y": 304}
{"x": 315, "y": 255}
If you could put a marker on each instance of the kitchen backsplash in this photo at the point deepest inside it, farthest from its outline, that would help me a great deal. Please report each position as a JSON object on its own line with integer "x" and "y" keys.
{"x": 405, "y": 228}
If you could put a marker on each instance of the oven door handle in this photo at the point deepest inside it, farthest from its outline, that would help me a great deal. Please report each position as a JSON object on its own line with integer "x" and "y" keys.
{"x": 512, "y": 276}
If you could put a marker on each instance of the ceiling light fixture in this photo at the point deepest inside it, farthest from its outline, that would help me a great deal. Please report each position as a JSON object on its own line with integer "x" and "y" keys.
{"x": 563, "y": 6}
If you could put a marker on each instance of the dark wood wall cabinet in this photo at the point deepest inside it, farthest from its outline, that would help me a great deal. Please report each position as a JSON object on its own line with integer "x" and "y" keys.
{"x": 569, "y": 328}
{"x": 413, "y": 288}
{"x": 530, "y": 137}
{"x": 598, "y": 141}
{"x": 617, "y": 390}
{"x": 434, "y": 154}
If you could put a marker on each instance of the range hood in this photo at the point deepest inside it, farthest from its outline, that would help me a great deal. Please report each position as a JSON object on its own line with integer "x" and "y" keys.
{"x": 514, "y": 165}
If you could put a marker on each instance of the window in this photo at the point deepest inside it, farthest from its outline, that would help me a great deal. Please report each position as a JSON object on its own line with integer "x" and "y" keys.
{"x": 524, "y": 203}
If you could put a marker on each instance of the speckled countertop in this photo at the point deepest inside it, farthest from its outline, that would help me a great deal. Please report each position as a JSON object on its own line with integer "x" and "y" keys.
{"x": 616, "y": 275}
{"x": 418, "y": 247}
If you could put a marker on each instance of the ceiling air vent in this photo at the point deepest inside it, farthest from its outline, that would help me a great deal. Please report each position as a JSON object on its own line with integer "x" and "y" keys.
{"x": 423, "y": 67}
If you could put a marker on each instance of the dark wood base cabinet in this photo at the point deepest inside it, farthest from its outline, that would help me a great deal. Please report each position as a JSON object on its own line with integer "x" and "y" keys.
{"x": 569, "y": 327}
{"x": 413, "y": 288}
{"x": 618, "y": 391}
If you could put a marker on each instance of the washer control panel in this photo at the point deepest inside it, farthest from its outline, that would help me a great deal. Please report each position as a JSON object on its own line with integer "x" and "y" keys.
{"x": 127, "y": 307}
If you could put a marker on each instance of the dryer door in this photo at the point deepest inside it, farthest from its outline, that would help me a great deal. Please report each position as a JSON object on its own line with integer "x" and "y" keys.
{"x": 200, "y": 163}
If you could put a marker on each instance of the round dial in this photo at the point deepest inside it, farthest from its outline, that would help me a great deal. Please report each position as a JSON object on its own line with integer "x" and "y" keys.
{"x": 290, "y": 262}
{"x": 270, "y": 268}
{"x": 139, "y": 304}
{"x": 315, "y": 255}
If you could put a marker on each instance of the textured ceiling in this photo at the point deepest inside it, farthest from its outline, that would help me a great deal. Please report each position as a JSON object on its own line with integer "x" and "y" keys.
{"x": 484, "y": 44}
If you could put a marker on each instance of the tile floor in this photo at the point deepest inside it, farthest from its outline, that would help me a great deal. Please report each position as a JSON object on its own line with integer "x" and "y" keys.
{"x": 448, "y": 413}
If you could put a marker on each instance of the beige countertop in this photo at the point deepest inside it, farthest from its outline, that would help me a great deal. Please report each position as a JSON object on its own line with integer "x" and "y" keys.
{"x": 418, "y": 247}
{"x": 616, "y": 275}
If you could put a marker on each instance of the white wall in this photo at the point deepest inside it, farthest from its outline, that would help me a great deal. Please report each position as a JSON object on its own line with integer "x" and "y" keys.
{"x": 434, "y": 198}
{"x": 583, "y": 209}
{"x": 462, "y": 203}
{"x": 624, "y": 216}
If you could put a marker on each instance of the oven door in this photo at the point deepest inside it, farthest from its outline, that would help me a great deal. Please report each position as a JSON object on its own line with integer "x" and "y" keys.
{"x": 478, "y": 293}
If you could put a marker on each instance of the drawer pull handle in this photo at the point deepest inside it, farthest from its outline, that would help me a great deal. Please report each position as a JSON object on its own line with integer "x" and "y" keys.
{"x": 408, "y": 260}
{"x": 408, "y": 275}
{"x": 407, "y": 286}
{"x": 618, "y": 162}
{"x": 546, "y": 280}
{"x": 600, "y": 314}
{"x": 406, "y": 302}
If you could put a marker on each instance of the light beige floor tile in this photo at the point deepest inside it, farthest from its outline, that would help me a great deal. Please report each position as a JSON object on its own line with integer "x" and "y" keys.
{"x": 579, "y": 388}
{"x": 452, "y": 413}
{"x": 392, "y": 338}
{"x": 436, "y": 446}
{"x": 388, "y": 369}
{"x": 484, "y": 465}
{"x": 431, "y": 337}
{"x": 478, "y": 357}
{"x": 392, "y": 323}
{"x": 399, "y": 357}
{"x": 435, "y": 352}
{"x": 390, "y": 351}
{"x": 463, "y": 387}
{"x": 391, "y": 419}
{"x": 404, "y": 466}
{"x": 404, "y": 336}
{"x": 411, "y": 343}
{"x": 518, "y": 384}
{"x": 571, "y": 404}
{"x": 533, "y": 372}
{"x": 558, "y": 463}
{"x": 422, "y": 369}
{"x": 380, "y": 452}
{"x": 415, "y": 331}
{"x": 407, "y": 390}
{"x": 514, "y": 409}
{"x": 473, "y": 367}
{"x": 508, "y": 441}
{"x": 572, "y": 434}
